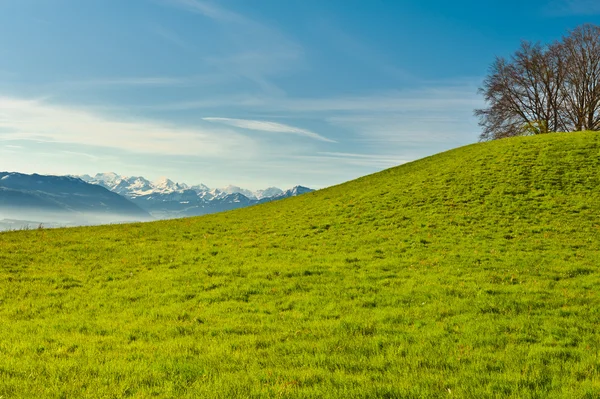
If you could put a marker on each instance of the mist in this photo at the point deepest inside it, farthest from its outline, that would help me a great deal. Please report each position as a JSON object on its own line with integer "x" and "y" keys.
{"x": 15, "y": 218}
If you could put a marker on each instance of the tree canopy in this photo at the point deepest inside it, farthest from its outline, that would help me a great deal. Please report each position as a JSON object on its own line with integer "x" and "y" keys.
{"x": 544, "y": 88}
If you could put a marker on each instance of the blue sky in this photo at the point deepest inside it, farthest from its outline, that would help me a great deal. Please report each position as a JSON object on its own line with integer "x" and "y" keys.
{"x": 254, "y": 93}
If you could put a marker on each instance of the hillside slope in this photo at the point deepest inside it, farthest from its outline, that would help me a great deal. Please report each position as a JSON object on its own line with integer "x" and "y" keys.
{"x": 473, "y": 273}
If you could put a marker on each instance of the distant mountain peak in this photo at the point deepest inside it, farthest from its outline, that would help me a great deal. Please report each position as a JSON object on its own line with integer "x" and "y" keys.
{"x": 64, "y": 197}
{"x": 138, "y": 186}
{"x": 238, "y": 190}
{"x": 268, "y": 192}
{"x": 165, "y": 198}
{"x": 163, "y": 181}
{"x": 200, "y": 188}
{"x": 107, "y": 176}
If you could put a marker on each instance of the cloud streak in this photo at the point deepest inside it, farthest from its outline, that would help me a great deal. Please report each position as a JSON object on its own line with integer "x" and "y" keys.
{"x": 430, "y": 99}
{"x": 153, "y": 81}
{"x": 407, "y": 123}
{"x": 173, "y": 38}
{"x": 141, "y": 82}
{"x": 371, "y": 160}
{"x": 265, "y": 126}
{"x": 38, "y": 121}
{"x": 443, "y": 98}
{"x": 209, "y": 10}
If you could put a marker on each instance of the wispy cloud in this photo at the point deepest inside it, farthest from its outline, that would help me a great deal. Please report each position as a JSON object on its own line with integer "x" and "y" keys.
{"x": 81, "y": 154}
{"x": 173, "y": 38}
{"x": 131, "y": 81}
{"x": 6, "y": 74}
{"x": 360, "y": 52}
{"x": 559, "y": 8}
{"x": 39, "y": 121}
{"x": 372, "y": 160}
{"x": 265, "y": 126}
{"x": 209, "y": 10}
{"x": 139, "y": 81}
{"x": 407, "y": 123}
{"x": 255, "y": 51}
{"x": 431, "y": 99}
{"x": 409, "y": 136}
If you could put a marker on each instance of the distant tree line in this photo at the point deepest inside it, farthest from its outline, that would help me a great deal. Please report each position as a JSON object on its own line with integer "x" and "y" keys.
{"x": 544, "y": 88}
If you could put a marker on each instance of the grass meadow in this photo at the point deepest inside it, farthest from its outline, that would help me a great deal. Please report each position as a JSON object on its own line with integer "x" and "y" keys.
{"x": 471, "y": 274}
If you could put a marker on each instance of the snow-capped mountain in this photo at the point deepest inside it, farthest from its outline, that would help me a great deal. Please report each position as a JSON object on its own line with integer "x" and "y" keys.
{"x": 165, "y": 198}
{"x": 133, "y": 186}
{"x": 268, "y": 193}
{"x": 200, "y": 187}
{"x": 235, "y": 189}
{"x": 62, "y": 199}
{"x": 298, "y": 190}
{"x": 167, "y": 186}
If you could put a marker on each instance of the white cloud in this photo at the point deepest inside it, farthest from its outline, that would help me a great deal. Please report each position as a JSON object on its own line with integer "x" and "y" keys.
{"x": 39, "y": 121}
{"x": 140, "y": 81}
{"x": 130, "y": 81}
{"x": 407, "y": 123}
{"x": 409, "y": 136}
{"x": 81, "y": 155}
{"x": 443, "y": 98}
{"x": 409, "y": 128}
{"x": 210, "y": 103}
{"x": 370, "y": 160}
{"x": 265, "y": 126}
{"x": 430, "y": 99}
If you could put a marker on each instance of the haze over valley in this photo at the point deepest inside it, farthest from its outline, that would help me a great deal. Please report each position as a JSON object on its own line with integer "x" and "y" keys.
{"x": 33, "y": 201}
{"x": 56, "y": 201}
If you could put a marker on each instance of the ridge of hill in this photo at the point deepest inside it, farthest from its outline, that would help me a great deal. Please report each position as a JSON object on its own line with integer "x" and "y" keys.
{"x": 471, "y": 273}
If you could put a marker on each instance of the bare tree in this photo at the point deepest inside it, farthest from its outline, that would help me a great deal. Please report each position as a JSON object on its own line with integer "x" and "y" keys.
{"x": 581, "y": 91}
{"x": 543, "y": 89}
{"x": 504, "y": 116}
{"x": 523, "y": 94}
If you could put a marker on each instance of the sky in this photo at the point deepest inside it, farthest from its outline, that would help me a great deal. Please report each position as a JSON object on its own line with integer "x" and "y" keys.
{"x": 255, "y": 93}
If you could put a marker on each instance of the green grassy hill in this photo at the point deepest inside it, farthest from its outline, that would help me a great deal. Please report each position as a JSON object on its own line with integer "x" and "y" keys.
{"x": 473, "y": 274}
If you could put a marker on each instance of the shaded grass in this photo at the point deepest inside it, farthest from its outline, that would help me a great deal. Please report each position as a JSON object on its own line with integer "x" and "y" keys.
{"x": 472, "y": 273}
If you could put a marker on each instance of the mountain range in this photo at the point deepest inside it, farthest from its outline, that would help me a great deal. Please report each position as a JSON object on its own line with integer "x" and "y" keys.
{"x": 27, "y": 201}
{"x": 61, "y": 200}
{"x": 165, "y": 199}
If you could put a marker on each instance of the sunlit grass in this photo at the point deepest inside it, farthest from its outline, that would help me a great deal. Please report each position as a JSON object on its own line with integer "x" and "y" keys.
{"x": 473, "y": 273}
